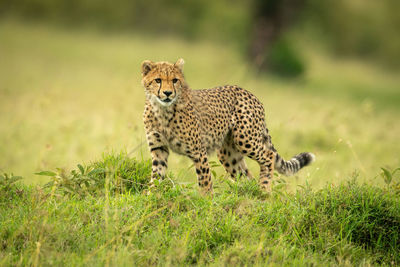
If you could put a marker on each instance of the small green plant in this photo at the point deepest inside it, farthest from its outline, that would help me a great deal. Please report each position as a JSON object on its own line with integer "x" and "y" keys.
{"x": 213, "y": 165}
{"x": 117, "y": 172}
{"x": 388, "y": 176}
{"x": 8, "y": 186}
{"x": 7, "y": 181}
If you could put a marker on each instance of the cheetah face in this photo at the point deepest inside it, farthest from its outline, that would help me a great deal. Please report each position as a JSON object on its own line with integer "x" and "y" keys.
{"x": 163, "y": 81}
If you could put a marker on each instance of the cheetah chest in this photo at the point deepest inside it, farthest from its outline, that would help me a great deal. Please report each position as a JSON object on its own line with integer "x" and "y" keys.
{"x": 177, "y": 129}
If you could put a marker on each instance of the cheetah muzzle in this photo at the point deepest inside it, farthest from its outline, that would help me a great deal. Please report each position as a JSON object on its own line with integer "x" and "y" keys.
{"x": 195, "y": 123}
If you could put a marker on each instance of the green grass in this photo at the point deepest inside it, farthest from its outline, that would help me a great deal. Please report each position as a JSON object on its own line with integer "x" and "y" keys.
{"x": 103, "y": 224}
{"x": 69, "y": 95}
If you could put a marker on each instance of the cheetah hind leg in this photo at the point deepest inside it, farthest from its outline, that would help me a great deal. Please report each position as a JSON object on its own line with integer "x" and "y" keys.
{"x": 267, "y": 170}
{"x": 233, "y": 162}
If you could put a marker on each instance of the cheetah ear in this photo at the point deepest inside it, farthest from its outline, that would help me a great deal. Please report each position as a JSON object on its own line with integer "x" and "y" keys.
{"x": 179, "y": 64}
{"x": 147, "y": 65}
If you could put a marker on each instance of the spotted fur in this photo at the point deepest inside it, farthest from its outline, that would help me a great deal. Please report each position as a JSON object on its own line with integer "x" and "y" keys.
{"x": 195, "y": 123}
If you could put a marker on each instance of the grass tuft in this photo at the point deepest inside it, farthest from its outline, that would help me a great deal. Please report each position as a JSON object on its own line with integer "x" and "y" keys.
{"x": 115, "y": 172}
{"x": 364, "y": 216}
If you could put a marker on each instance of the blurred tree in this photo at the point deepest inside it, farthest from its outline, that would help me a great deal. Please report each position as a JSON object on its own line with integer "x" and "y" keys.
{"x": 271, "y": 19}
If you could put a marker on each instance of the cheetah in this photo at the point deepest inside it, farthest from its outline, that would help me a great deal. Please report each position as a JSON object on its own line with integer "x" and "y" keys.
{"x": 195, "y": 123}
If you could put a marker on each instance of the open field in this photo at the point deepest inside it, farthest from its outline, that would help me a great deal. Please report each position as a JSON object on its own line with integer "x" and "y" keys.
{"x": 69, "y": 96}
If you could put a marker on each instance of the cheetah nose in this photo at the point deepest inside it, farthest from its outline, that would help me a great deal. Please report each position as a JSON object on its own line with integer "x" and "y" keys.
{"x": 167, "y": 93}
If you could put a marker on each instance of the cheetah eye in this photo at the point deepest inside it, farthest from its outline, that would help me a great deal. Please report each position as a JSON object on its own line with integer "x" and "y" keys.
{"x": 158, "y": 80}
{"x": 175, "y": 80}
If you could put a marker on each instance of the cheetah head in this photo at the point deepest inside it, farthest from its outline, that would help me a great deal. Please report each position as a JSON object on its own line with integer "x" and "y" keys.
{"x": 163, "y": 81}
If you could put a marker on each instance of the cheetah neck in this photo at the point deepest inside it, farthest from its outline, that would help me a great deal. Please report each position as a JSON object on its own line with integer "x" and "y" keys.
{"x": 165, "y": 113}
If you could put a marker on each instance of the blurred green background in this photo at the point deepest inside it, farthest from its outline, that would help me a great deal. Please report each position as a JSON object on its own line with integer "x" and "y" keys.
{"x": 326, "y": 71}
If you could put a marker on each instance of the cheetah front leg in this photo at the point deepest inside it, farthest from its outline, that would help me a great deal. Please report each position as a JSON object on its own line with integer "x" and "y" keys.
{"x": 203, "y": 171}
{"x": 159, "y": 154}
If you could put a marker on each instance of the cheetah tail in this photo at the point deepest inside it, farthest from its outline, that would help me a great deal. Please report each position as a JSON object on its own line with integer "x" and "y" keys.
{"x": 293, "y": 165}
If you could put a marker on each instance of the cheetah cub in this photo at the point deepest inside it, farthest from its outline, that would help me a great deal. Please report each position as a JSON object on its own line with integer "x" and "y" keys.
{"x": 194, "y": 123}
